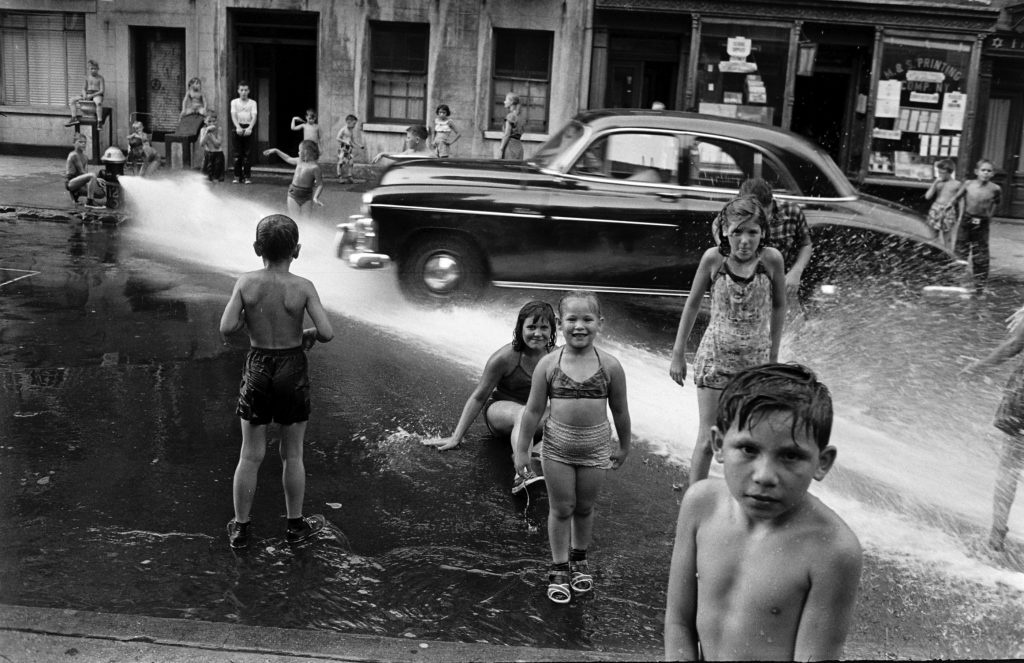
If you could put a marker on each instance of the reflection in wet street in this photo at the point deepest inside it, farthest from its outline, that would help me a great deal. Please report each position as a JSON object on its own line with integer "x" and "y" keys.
{"x": 118, "y": 442}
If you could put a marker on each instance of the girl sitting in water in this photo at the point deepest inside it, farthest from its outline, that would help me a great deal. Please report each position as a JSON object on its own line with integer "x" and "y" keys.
{"x": 504, "y": 386}
{"x": 748, "y": 309}
{"x": 581, "y": 384}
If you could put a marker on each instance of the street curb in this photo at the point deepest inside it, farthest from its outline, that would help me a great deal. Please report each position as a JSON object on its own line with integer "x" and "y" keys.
{"x": 203, "y": 636}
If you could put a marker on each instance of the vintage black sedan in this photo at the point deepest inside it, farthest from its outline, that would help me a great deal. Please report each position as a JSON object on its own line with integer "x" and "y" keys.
{"x": 622, "y": 201}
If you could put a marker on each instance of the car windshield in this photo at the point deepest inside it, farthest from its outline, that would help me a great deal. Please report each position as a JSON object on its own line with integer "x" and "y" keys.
{"x": 559, "y": 143}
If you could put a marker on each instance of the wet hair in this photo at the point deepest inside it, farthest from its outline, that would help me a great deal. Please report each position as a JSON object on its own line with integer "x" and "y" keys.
{"x": 419, "y": 131}
{"x": 276, "y": 237}
{"x": 350, "y": 116}
{"x": 758, "y": 188}
{"x": 194, "y": 79}
{"x": 769, "y": 388}
{"x": 982, "y": 162}
{"x": 534, "y": 309}
{"x": 946, "y": 164}
{"x": 79, "y": 137}
{"x": 443, "y": 107}
{"x": 588, "y": 295}
{"x": 311, "y": 147}
{"x": 740, "y": 210}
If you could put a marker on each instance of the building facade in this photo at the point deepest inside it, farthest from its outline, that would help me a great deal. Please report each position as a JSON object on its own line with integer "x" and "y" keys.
{"x": 887, "y": 87}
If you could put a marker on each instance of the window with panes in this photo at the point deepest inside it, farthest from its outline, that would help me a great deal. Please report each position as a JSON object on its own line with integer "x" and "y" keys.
{"x": 398, "y": 72}
{"x": 42, "y": 58}
{"x": 522, "y": 66}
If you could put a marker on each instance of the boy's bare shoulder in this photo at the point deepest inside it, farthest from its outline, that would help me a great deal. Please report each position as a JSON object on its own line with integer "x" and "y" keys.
{"x": 704, "y": 498}
{"x": 838, "y": 540}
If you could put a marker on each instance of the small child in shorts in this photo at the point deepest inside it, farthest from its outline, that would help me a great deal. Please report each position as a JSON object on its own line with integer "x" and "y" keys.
{"x": 443, "y": 134}
{"x": 941, "y": 215}
{"x": 347, "y": 145}
{"x": 270, "y": 304}
{"x": 761, "y": 569}
{"x": 213, "y": 148}
{"x": 981, "y": 201}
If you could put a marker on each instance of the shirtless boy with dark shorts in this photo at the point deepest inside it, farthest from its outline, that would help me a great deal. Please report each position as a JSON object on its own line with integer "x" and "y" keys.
{"x": 762, "y": 570}
{"x": 270, "y": 305}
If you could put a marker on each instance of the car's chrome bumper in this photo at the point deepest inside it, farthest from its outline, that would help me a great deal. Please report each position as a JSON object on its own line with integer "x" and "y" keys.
{"x": 355, "y": 242}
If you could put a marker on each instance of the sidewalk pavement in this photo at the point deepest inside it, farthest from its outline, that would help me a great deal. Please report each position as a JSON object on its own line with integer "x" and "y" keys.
{"x": 35, "y": 635}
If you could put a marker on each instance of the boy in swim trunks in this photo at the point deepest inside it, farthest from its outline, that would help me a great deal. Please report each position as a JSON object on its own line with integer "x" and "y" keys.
{"x": 762, "y": 570}
{"x": 77, "y": 179}
{"x": 308, "y": 180}
{"x": 92, "y": 92}
{"x": 270, "y": 304}
{"x": 981, "y": 201}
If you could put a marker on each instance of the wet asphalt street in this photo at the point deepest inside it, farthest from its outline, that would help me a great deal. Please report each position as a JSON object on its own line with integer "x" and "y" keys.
{"x": 118, "y": 439}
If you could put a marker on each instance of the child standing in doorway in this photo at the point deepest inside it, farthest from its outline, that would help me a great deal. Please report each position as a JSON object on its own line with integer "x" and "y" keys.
{"x": 748, "y": 310}
{"x": 1010, "y": 420}
{"x": 213, "y": 148}
{"x": 347, "y": 145}
{"x": 761, "y": 569}
{"x": 941, "y": 215}
{"x": 308, "y": 180}
{"x": 981, "y": 200}
{"x": 581, "y": 384}
{"x": 443, "y": 133}
{"x": 270, "y": 304}
{"x": 310, "y": 128}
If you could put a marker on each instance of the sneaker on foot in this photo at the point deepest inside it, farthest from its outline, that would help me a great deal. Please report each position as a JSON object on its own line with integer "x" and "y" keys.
{"x": 247, "y": 181}
{"x": 310, "y": 526}
{"x": 234, "y": 181}
{"x": 238, "y": 536}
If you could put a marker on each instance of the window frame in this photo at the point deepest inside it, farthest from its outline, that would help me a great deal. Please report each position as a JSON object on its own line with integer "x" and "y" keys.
{"x": 392, "y": 76}
{"x": 49, "y": 80}
{"x": 522, "y": 83}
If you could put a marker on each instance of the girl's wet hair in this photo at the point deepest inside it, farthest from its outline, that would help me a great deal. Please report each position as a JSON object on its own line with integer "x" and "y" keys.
{"x": 788, "y": 388}
{"x": 535, "y": 309}
{"x": 276, "y": 237}
{"x": 588, "y": 295}
{"x": 740, "y": 210}
{"x": 311, "y": 148}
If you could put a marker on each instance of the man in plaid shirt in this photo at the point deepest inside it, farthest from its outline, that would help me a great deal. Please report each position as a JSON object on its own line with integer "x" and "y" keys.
{"x": 789, "y": 232}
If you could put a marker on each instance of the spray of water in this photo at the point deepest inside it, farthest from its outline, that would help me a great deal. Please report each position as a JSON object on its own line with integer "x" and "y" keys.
{"x": 913, "y": 487}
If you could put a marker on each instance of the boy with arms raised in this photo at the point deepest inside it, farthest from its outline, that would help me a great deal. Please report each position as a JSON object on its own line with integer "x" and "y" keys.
{"x": 761, "y": 569}
{"x": 270, "y": 304}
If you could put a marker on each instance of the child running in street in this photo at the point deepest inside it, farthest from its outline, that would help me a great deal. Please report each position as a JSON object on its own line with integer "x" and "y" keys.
{"x": 310, "y": 129}
{"x": 504, "y": 387}
{"x": 307, "y": 182}
{"x": 748, "y": 310}
{"x": 270, "y": 304}
{"x": 1010, "y": 420}
{"x": 981, "y": 200}
{"x": 443, "y": 133}
{"x": 347, "y": 145}
{"x": 582, "y": 384}
{"x": 941, "y": 215}
{"x": 762, "y": 570}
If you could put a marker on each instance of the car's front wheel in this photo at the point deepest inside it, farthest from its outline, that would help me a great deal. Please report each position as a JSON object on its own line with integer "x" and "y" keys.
{"x": 439, "y": 269}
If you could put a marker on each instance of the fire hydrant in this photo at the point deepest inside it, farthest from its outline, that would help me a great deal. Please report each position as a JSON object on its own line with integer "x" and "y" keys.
{"x": 113, "y": 166}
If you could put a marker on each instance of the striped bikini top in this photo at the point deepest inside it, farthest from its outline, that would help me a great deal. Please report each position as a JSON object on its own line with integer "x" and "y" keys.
{"x": 563, "y": 386}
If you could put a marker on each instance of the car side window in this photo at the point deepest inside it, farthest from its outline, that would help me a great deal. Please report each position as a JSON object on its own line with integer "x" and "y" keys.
{"x": 724, "y": 164}
{"x": 631, "y": 156}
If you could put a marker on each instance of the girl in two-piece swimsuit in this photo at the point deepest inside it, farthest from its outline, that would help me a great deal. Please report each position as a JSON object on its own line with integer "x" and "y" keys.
{"x": 505, "y": 384}
{"x": 748, "y": 310}
{"x": 578, "y": 446}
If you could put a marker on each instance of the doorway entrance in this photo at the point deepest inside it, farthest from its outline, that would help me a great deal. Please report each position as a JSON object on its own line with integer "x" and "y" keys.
{"x": 1003, "y": 146}
{"x": 276, "y": 53}
{"x": 157, "y": 80}
{"x": 642, "y": 70}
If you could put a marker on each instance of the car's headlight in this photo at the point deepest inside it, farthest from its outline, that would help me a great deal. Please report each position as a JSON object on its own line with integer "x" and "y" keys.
{"x": 364, "y": 209}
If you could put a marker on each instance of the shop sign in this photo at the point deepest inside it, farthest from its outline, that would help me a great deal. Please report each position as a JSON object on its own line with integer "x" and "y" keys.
{"x": 1005, "y": 43}
{"x": 738, "y": 47}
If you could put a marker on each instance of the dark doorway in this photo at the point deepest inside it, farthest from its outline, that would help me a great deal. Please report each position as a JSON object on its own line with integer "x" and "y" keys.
{"x": 276, "y": 53}
{"x": 642, "y": 69}
{"x": 157, "y": 83}
{"x": 819, "y": 109}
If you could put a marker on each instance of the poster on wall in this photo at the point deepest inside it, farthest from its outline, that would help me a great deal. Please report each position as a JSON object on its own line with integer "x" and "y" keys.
{"x": 953, "y": 104}
{"x": 888, "y": 101}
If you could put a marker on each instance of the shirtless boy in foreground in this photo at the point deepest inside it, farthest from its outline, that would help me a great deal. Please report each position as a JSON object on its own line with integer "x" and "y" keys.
{"x": 761, "y": 569}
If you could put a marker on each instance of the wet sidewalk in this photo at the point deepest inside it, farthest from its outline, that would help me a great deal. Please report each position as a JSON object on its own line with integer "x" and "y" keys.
{"x": 31, "y": 635}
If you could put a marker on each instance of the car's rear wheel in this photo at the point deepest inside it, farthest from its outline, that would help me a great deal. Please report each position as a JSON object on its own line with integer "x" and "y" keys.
{"x": 438, "y": 269}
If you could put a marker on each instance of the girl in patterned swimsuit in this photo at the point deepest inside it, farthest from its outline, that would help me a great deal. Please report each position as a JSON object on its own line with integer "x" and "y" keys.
{"x": 504, "y": 386}
{"x": 748, "y": 310}
{"x": 582, "y": 384}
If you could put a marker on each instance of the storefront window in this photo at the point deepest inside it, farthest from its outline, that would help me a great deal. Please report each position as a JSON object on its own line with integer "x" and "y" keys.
{"x": 919, "y": 106}
{"x": 742, "y": 71}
